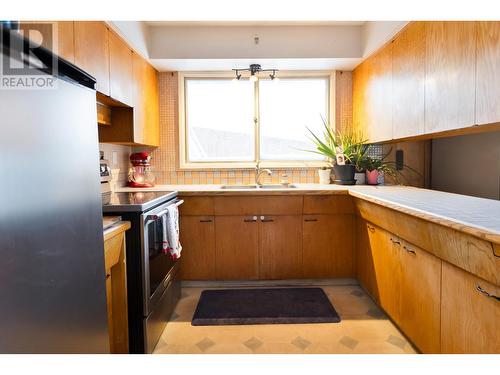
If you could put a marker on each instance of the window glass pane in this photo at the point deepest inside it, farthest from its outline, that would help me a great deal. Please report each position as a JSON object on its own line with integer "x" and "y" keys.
{"x": 286, "y": 108}
{"x": 219, "y": 120}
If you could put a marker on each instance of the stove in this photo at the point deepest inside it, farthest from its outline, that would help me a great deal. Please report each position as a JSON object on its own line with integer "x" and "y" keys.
{"x": 153, "y": 288}
{"x": 137, "y": 201}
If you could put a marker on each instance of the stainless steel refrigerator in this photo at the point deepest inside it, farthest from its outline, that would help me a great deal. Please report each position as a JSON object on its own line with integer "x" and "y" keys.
{"x": 52, "y": 279}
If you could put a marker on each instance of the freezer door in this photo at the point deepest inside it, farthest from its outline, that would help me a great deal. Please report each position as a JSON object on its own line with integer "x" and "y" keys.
{"x": 52, "y": 278}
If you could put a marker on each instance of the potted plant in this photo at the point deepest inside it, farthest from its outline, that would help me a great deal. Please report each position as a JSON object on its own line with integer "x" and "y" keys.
{"x": 376, "y": 166}
{"x": 343, "y": 148}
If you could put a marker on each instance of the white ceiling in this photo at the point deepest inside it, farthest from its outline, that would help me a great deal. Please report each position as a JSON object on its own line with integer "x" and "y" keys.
{"x": 284, "y": 45}
{"x": 255, "y": 23}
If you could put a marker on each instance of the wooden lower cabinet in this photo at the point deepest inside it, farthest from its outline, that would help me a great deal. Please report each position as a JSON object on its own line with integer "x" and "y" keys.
{"x": 385, "y": 254}
{"x": 420, "y": 297}
{"x": 365, "y": 268}
{"x": 469, "y": 318}
{"x": 198, "y": 247}
{"x": 115, "y": 264}
{"x": 327, "y": 243}
{"x": 404, "y": 280}
{"x": 280, "y": 247}
{"x": 237, "y": 249}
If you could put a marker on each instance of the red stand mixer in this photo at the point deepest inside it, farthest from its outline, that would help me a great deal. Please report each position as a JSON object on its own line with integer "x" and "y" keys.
{"x": 140, "y": 175}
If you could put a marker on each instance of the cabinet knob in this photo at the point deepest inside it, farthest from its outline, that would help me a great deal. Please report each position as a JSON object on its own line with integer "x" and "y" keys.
{"x": 250, "y": 220}
{"x": 370, "y": 228}
{"x": 264, "y": 220}
{"x": 410, "y": 251}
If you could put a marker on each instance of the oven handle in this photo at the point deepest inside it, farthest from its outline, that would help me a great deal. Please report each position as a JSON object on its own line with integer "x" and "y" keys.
{"x": 161, "y": 213}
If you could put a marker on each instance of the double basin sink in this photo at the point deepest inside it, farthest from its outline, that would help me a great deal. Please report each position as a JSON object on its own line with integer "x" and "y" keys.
{"x": 259, "y": 187}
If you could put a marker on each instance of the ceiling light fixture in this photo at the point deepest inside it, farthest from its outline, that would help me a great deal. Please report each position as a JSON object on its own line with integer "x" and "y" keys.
{"x": 254, "y": 69}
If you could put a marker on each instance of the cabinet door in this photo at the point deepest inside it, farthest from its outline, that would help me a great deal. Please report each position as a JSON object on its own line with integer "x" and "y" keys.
{"x": 385, "y": 252}
{"x": 92, "y": 51}
{"x": 365, "y": 267}
{"x": 327, "y": 246}
{"x": 58, "y": 36}
{"x": 488, "y": 72}
{"x": 469, "y": 318}
{"x": 120, "y": 70}
{"x": 378, "y": 99}
{"x": 145, "y": 100}
{"x": 408, "y": 78}
{"x": 359, "y": 97}
{"x": 280, "y": 247}
{"x": 450, "y": 75}
{"x": 420, "y": 303}
{"x": 198, "y": 247}
{"x": 237, "y": 250}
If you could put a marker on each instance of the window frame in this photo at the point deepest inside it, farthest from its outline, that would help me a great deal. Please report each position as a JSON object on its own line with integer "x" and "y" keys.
{"x": 185, "y": 164}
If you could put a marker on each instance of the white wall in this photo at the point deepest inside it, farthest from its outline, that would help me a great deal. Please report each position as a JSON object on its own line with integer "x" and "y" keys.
{"x": 231, "y": 42}
{"x": 376, "y": 33}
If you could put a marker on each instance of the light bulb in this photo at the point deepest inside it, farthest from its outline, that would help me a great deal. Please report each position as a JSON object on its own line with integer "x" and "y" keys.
{"x": 253, "y": 78}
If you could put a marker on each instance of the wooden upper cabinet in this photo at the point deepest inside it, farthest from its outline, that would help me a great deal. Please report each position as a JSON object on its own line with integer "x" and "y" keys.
{"x": 65, "y": 40}
{"x": 120, "y": 70}
{"x": 145, "y": 103}
{"x": 372, "y": 96}
{"x": 359, "y": 121}
{"x": 420, "y": 301}
{"x": 469, "y": 318}
{"x": 450, "y": 75}
{"x": 280, "y": 247}
{"x": 92, "y": 52}
{"x": 408, "y": 81}
{"x": 58, "y": 36}
{"x": 327, "y": 244}
{"x": 379, "y": 96}
{"x": 488, "y": 72}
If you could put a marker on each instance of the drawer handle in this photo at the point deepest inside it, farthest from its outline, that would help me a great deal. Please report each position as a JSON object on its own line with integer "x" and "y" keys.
{"x": 485, "y": 293}
{"x": 264, "y": 220}
{"x": 395, "y": 241}
{"x": 205, "y": 220}
{"x": 410, "y": 251}
{"x": 310, "y": 219}
{"x": 251, "y": 220}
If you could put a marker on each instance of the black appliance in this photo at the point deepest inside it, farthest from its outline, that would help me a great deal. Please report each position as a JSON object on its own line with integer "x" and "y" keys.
{"x": 152, "y": 287}
{"x": 52, "y": 277}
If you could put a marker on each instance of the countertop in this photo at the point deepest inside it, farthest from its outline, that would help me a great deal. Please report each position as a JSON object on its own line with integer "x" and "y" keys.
{"x": 477, "y": 216}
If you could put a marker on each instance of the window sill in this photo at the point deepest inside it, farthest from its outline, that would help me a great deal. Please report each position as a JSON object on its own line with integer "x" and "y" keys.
{"x": 251, "y": 165}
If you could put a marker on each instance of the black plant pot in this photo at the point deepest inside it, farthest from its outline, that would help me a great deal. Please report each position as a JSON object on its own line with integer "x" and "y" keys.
{"x": 344, "y": 173}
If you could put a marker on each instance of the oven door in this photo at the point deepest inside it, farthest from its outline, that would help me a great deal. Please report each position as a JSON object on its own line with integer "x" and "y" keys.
{"x": 158, "y": 265}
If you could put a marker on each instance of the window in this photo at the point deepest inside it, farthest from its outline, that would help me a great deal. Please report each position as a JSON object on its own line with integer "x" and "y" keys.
{"x": 228, "y": 124}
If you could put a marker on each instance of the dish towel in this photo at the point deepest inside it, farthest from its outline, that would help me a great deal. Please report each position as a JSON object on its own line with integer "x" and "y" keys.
{"x": 172, "y": 231}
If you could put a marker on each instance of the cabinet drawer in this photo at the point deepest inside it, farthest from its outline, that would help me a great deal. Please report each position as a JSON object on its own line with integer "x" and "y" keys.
{"x": 266, "y": 205}
{"x": 328, "y": 204}
{"x": 197, "y": 206}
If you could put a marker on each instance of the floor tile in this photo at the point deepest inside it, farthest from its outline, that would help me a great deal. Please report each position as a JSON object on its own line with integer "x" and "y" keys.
{"x": 364, "y": 328}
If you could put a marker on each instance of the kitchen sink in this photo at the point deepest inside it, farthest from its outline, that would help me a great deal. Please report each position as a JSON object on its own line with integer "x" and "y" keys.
{"x": 264, "y": 187}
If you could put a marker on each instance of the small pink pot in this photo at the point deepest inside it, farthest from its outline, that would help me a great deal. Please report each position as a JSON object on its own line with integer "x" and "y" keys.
{"x": 372, "y": 177}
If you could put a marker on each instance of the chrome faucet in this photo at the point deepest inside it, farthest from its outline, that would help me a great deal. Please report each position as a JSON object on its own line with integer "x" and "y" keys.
{"x": 259, "y": 172}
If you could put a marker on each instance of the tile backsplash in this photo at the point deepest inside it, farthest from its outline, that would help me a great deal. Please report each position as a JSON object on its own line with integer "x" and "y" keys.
{"x": 165, "y": 157}
{"x": 119, "y": 166}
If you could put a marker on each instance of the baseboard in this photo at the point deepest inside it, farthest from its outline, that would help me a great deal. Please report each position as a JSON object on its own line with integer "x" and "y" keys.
{"x": 266, "y": 283}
